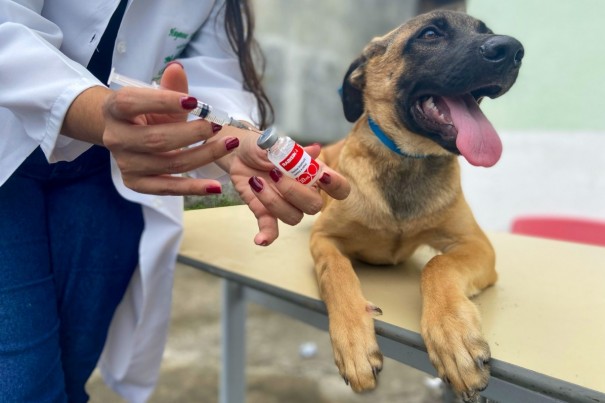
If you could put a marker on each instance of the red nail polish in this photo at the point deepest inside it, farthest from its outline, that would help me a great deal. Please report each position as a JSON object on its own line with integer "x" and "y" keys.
{"x": 215, "y": 127}
{"x": 214, "y": 190}
{"x": 255, "y": 184}
{"x": 275, "y": 174}
{"x": 325, "y": 178}
{"x": 175, "y": 62}
{"x": 231, "y": 143}
{"x": 188, "y": 103}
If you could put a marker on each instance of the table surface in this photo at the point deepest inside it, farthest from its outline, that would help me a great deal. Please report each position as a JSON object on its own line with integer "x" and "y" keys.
{"x": 546, "y": 313}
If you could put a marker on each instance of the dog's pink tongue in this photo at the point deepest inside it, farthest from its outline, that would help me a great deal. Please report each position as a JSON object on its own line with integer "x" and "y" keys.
{"x": 477, "y": 139}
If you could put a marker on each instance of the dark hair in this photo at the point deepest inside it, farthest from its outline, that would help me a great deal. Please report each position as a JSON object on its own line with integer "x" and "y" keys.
{"x": 239, "y": 24}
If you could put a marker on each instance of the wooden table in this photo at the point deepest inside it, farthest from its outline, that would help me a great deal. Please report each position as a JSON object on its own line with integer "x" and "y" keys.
{"x": 544, "y": 319}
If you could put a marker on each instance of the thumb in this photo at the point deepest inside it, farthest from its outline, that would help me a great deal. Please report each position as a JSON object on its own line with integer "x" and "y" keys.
{"x": 174, "y": 78}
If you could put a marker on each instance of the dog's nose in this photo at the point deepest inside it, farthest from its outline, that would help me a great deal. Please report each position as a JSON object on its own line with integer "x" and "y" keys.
{"x": 502, "y": 49}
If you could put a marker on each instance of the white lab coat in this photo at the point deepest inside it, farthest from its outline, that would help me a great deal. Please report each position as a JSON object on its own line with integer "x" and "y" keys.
{"x": 43, "y": 46}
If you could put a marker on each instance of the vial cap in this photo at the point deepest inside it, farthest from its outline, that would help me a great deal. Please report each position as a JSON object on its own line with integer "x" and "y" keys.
{"x": 267, "y": 139}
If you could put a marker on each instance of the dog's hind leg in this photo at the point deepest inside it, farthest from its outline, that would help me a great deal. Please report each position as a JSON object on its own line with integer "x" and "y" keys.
{"x": 351, "y": 328}
{"x": 450, "y": 324}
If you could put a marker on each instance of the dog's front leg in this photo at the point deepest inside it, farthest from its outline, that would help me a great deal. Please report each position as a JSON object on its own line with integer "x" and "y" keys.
{"x": 451, "y": 325}
{"x": 350, "y": 315}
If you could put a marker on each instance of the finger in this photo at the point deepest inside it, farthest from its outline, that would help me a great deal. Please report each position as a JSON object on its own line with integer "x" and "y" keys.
{"x": 173, "y": 185}
{"x": 129, "y": 102}
{"x": 178, "y": 161}
{"x": 267, "y": 224}
{"x": 274, "y": 202}
{"x": 334, "y": 184}
{"x": 304, "y": 198}
{"x": 313, "y": 150}
{"x": 160, "y": 137}
{"x": 174, "y": 78}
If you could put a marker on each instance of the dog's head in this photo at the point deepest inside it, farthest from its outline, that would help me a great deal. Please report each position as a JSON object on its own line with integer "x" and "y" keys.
{"x": 422, "y": 82}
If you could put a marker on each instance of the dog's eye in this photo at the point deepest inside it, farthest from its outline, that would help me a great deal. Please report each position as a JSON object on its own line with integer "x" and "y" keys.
{"x": 430, "y": 33}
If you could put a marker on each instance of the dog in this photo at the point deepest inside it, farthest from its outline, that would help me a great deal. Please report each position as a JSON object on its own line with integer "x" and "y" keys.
{"x": 413, "y": 96}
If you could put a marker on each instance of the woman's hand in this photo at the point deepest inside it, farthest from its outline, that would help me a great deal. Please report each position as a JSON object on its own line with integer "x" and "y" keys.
{"x": 149, "y": 136}
{"x": 147, "y": 132}
{"x": 271, "y": 195}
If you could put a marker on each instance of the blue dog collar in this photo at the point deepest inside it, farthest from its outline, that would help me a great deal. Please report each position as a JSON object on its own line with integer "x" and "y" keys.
{"x": 388, "y": 142}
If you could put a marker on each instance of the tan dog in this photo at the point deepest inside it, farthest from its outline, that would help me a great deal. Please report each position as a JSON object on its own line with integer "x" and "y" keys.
{"x": 415, "y": 90}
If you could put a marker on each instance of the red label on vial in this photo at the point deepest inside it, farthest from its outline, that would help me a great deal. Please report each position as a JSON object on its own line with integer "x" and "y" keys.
{"x": 299, "y": 165}
{"x": 310, "y": 173}
{"x": 293, "y": 158}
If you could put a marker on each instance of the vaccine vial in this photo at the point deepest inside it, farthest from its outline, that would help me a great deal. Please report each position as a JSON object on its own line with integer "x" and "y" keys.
{"x": 289, "y": 157}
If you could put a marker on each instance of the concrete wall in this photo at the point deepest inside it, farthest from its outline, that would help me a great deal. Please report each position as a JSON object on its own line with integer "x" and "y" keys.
{"x": 309, "y": 45}
{"x": 544, "y": 173}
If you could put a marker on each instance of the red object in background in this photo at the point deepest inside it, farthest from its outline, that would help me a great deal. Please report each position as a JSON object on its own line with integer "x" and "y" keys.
{"x": 574, "y": 229}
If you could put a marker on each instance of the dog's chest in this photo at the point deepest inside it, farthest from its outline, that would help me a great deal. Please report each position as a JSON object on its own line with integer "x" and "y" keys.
{"x": 383, "y": 247}
{"x": 416, "y": 189}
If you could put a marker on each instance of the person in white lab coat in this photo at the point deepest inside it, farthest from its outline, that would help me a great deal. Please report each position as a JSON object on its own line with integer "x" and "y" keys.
{"x": 87, "y": 245}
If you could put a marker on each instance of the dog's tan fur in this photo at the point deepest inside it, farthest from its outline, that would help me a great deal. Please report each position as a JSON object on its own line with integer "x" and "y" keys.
{"x": 376, "y": 228}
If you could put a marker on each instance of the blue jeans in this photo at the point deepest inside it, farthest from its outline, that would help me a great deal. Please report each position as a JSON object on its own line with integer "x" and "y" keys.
{"x": 68, "y": 248}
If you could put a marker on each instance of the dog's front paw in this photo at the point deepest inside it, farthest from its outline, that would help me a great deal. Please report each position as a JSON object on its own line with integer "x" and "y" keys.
{"x": 456, "y": 347}
{"x": 356, "y": 352}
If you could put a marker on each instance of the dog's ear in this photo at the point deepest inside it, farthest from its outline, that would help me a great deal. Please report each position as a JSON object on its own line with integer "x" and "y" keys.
{"x": 351, "y": 92}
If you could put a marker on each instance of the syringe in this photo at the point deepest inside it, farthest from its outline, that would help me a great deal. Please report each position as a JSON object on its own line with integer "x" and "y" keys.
{"x": 203, "y": 110}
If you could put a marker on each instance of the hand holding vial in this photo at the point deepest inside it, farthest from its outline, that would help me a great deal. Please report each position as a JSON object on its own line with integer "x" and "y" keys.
{"x": 149, "y": 163}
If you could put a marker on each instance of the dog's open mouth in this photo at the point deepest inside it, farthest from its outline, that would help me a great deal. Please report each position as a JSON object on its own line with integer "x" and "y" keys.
{"x": 459, "y": 119}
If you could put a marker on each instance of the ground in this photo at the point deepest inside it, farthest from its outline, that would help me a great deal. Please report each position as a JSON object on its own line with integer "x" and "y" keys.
{"x": 276, "y": 372}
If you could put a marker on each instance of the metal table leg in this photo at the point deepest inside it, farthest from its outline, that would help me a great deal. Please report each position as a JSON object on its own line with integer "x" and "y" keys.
{"x": 233, "y": 345}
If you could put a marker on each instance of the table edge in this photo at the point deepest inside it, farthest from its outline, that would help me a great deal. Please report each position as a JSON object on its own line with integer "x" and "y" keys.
{"x": 523, "y": 377}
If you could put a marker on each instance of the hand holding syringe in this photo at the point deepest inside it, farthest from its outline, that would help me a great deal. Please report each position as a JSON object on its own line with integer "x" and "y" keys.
{"x": 203, "y": 110}
{"x": 286, "y": 155}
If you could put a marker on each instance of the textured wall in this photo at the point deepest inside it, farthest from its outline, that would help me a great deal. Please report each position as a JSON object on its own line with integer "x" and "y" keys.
{"x": 309, "y": 45}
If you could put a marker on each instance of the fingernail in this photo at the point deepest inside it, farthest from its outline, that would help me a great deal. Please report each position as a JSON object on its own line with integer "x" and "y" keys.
{"x": 263, "y": 243}
{"x": 175, "y": 62}
{"x": 188, "y": 103}
{"x": 316, "y": 144}
{"x": 325, "y": 178}
{"x": 216, "y": 127}
{"x": 231, "y": 143}
{"x": 256, "y": 184}
{"x": 275, "y": 174}
{"x": 214, "y": 189}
